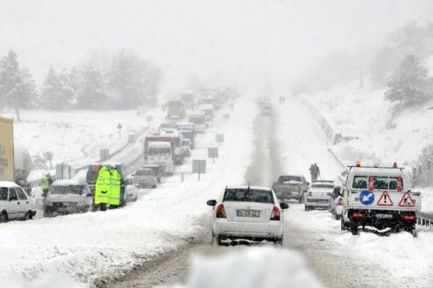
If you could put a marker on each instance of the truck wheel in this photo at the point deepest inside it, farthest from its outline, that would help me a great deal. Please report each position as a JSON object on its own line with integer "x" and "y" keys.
{"x": 28, "y": 215}
{"x": 354, "y": 230}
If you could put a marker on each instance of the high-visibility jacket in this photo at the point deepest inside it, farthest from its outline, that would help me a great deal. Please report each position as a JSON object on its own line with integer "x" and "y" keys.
{"x": 46, "y": 182}
{"x": 114, "y": 195}
{"x": 102, "y": 187}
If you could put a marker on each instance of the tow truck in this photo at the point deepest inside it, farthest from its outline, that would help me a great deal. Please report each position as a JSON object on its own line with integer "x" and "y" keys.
{"x": 378, "y": 199}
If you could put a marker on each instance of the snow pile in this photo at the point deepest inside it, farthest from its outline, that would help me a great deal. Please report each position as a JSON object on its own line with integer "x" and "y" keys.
{"x": 108, "y": 244}
{"x": 254, "y": 268}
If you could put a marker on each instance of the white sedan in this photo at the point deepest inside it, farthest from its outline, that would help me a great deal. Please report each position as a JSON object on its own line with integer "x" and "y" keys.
{"x": 250, "y": 213}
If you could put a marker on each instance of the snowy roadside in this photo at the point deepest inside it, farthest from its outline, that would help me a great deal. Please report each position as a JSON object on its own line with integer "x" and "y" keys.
{"x": 105, "y": 245}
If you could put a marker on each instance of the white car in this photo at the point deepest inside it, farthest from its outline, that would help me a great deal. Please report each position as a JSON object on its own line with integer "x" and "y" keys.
{"x": 318, "y": 195}
{"x": 131, "y": 191}
{"x": 145, "y": 178}
{"x": 250, "y": 213}
{"x": 15, "y": 203}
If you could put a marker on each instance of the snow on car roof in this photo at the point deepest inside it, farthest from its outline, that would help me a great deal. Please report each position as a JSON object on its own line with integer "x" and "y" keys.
{"x": 8, "y": 184}
{"x": 160, "y": 144}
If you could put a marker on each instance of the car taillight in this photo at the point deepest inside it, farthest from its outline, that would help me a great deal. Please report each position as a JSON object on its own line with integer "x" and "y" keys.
{"x": 357, "y": 215}
{"x": 220, "y": 211}
{"x": 310, "y": 194}
{"x": 276, "y": 214}
{"x": 408, "y": 217}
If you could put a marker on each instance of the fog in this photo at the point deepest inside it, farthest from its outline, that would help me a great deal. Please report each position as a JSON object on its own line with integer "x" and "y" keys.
{"x": 232, "y": 42}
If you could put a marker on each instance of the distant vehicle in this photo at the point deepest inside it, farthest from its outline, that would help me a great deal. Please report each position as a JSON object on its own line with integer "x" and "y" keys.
{"x": 180, "y": 152}
{"x": 188, "y": 98}
{"x": 131, "y": 193}
{"x": 289, "y": 187}
{"x": 380, "y": 199}
{"x": 187, "y": 131}
{"x": 208, "y": 111}
{"x": 267, "y": 110}
{"x": 199, "y": 121}
{"x": 159, "y": 150}
{"x": 15, "y": 203}
{"x": 175, "y": 110}
{"x": 145, "y": 178}
{"x": 335, "y": 203}
{"x": 318, "y": 196}
{"x": 250, "y": 213}
{"x": 156, "y": 169}
{"x": 68, "y": 197}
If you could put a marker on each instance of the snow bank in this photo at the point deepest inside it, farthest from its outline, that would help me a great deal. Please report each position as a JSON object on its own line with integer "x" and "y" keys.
{"x": 108, "y": 244}
{"x": 254, "y": 268}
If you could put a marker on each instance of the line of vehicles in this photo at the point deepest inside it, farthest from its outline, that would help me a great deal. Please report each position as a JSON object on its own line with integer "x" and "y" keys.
{"x": 372, "y": 198}
{"x": 163, "y": 150}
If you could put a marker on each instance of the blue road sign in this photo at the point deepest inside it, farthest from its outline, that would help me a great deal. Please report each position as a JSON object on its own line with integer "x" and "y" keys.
{"x": 366, "y": 197}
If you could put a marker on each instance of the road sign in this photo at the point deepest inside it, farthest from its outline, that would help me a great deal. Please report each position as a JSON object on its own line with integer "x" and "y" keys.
{"x": 219, "y": 138}
{"x": 385, "y": 199}
{"x": 406, "y": 201}
{"x": 199, "y": 167}
{"x": 120, "y": 127}
{"x": 212, "y": 153}
{"x": 366, "y": 197}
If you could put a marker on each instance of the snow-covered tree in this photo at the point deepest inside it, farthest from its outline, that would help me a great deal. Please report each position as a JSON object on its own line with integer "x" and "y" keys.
{"x": 91, "y": 94}
{"x": 410, "y": 83}
{"x": 57, "y": 93}
{"x": 17, "y": 88}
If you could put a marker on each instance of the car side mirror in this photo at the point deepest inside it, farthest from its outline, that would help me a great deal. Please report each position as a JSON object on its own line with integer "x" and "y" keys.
{"x": 284, "y": 205}
{"x": 211, "y": 203}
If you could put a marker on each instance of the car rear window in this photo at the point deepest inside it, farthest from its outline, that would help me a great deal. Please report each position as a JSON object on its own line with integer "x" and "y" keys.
{"x": 248, "y": 195}
{"x": 379, "y": 182}
{"x": 323, "y": 185}
{"x": 288, "y": 178}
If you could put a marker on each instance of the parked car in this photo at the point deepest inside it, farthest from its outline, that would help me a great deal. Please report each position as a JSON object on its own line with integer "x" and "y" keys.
{"x": 318, "y": 195}
{"x": 250, "y": 213}
{"x": 15, "y": 203}
{"x": 131, "y": 191}
{"x": 291, "y": 187}
{"x": 68, "y": 197}
{"x": 335, "y": 202}
{"x": 145, "y": 178}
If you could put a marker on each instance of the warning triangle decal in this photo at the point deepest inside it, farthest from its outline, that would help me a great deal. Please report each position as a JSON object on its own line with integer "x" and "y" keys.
{"x": 384, "y": 199}
{"x": 406, "y": 201}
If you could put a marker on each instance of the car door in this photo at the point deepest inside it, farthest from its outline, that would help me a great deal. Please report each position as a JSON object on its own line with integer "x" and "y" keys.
{"x": 4, "y": 204}
{"x": 23, "y": 201}
{"x": 14, "y": 209}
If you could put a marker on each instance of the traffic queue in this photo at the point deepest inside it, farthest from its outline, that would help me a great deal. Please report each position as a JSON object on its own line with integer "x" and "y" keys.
{"x": 107, "y": 185}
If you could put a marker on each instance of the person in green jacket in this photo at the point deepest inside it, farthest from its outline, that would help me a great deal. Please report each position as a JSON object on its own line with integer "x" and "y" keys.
{"x": 103, "y": 185}
{"x": 115, "y": 192}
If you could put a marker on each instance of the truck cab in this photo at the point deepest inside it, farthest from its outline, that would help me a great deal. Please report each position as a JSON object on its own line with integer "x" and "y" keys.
{"x": 159, "y": 150}
{"x": 380, "y": 199}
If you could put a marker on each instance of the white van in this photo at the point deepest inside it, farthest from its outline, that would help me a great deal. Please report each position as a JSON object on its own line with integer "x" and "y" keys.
{"x": 15, "y": 203}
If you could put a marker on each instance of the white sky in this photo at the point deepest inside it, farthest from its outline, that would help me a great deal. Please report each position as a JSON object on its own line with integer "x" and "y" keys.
{"x": 221, "y": 40}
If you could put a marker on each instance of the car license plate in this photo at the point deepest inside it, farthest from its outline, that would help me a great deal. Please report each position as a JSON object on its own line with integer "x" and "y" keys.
{"x": 384, "y": 216}
{"x": 248, "y": 213}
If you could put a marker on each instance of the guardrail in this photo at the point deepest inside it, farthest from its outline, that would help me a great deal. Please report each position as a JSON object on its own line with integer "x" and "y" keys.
{"x": 424, "y": 219}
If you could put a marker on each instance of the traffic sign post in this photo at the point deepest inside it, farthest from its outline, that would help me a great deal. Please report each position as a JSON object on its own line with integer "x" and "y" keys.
{"x": 120, "y": 127}
{"x": 219, "y": 138}
{"x": 199, "y": 167}
{"x": 212, "y": 153}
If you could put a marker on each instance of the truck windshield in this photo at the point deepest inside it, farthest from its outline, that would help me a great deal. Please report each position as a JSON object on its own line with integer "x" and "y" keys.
{"x": 248, "y": 195}
{"x": 67, "y": 189}
{"x": 159, "y": 151}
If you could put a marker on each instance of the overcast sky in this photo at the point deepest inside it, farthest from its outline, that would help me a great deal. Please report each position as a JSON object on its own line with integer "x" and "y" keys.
{"x": 220, "y": 40}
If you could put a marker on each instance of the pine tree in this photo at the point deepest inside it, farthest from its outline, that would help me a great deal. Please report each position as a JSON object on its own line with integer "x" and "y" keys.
{"x": 17, "y": 88}
{"x": 91, "y": 94}
{"x": 57, "y": 93}
{"x": 410, "y": 83}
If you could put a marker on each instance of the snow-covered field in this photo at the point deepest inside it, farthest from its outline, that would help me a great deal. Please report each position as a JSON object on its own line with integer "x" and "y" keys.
{"x": 76, "y": 137}
{"x": 107, "y": 244}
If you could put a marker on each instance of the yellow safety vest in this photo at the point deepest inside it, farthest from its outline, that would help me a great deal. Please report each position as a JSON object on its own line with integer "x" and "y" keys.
{"x": 114, "y": 196}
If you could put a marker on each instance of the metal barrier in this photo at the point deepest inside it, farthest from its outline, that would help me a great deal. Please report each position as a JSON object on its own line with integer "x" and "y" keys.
{"x": 424, "y": 219}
